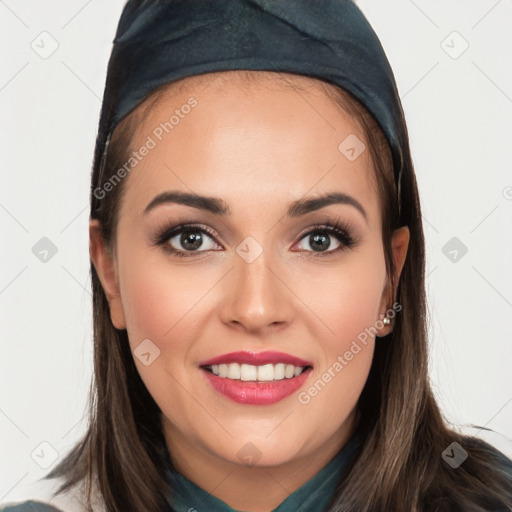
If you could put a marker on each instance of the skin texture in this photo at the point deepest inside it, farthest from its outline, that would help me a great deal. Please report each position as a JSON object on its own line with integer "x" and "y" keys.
{"x": 258, "y": 149}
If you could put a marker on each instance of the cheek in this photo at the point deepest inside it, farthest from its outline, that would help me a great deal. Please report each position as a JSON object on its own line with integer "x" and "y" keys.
{"x": 348, "y": 302}
{"x": 163, "y": 305}
{"x": 348, "y": 298}
{"x": 346, "y": 356}
{"x": 151, "y": 305}
{"x": 160, "y": 301}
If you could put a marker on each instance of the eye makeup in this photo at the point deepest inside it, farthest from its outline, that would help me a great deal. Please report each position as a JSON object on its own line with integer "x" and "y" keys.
{"x": 341, "y": 230}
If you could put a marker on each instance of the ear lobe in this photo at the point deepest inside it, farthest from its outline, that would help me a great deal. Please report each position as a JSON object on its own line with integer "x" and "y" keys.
{"x": 106, "y": 269}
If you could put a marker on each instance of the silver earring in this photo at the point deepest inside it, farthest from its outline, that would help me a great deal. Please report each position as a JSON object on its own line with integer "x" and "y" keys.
{"x": 386, "y": 320}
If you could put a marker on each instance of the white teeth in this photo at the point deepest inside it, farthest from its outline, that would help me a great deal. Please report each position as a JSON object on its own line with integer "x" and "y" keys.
{"x": 279, "y": 371}
{"x": 248, "y": 372}
{"x": 223, "y": 370}
{"x": 234, "y": 371}
{"x": 266, "y": 372}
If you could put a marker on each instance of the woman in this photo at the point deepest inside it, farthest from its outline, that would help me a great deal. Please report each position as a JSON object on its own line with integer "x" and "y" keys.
{"x": 284, "y": 366}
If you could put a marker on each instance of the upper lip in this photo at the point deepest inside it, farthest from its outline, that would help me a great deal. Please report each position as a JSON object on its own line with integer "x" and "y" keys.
{"x": 256, "y": 359}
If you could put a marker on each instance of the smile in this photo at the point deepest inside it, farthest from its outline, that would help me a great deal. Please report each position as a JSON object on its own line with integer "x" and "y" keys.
{"x": 256, "y": 378}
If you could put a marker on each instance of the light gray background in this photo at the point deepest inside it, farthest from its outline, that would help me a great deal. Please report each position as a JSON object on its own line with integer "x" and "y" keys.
{"x": 459, "y": 112}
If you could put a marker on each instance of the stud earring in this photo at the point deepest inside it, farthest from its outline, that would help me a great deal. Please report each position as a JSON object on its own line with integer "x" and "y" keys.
{"x": 386, "y": 320}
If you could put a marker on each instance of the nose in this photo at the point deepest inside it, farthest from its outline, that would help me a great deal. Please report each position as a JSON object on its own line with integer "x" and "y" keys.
{"x": 256, "y": 296}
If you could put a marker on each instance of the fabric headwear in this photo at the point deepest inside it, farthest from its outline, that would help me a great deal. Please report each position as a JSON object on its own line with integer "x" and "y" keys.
{"x": 158, "y": 41}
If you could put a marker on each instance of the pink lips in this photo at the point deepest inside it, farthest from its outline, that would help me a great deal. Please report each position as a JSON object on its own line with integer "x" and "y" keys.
{"x": 255, "y": 392}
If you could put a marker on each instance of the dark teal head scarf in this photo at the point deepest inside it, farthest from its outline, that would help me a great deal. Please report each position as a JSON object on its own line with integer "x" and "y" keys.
{"x": 158, "y": 41}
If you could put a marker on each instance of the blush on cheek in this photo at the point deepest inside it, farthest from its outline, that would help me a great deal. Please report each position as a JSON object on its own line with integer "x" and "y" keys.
{"x": 358, "y": 327}
{"x": 350, "y": 314}
{"x": 149, "y": 313}
{"x": 161, "y": 304}
{"x": 349, "y": 309}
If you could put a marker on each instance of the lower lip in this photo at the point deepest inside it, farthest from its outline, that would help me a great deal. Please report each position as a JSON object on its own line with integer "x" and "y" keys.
{"x": 256, "y": 393}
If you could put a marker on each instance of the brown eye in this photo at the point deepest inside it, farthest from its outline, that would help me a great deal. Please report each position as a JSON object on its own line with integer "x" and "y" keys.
{"x": 186, "y": 240}
{"x": 189, "y": 240}
{"x": 320, "y": 239}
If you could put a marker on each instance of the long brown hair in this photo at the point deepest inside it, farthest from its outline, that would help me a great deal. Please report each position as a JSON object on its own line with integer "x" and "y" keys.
{"x": 399, "y": 466}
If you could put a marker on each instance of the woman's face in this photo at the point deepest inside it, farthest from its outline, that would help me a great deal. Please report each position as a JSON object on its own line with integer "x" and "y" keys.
{"x": 256, "y": 273}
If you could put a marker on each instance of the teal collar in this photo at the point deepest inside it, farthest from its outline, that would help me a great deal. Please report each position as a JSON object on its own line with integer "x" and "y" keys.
{"x": 312, "y": 496}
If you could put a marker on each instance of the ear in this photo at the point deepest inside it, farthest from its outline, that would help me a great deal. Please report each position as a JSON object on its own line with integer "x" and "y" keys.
{"x": 105, "y": 266}
{"x": 399, "y": 246}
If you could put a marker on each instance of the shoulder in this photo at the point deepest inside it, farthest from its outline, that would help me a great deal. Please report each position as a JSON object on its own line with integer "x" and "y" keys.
{"x": 41, "y": 497}
{"x": 29, "y": 506}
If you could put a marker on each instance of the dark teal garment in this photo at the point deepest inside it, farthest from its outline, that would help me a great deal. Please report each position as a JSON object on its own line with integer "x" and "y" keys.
{"x": 312, "y": 496}
{"x": 30, "y": 506}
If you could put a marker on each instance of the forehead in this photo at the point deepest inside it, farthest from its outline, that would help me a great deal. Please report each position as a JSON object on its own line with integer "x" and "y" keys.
{"x": 276, "y": 136}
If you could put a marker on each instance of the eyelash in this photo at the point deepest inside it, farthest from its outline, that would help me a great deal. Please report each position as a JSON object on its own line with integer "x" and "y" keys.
{"x": 341, "y": 230}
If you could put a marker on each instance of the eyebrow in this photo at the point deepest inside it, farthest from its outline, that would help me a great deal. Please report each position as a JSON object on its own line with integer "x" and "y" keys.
{"x": 217, "y": 206}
